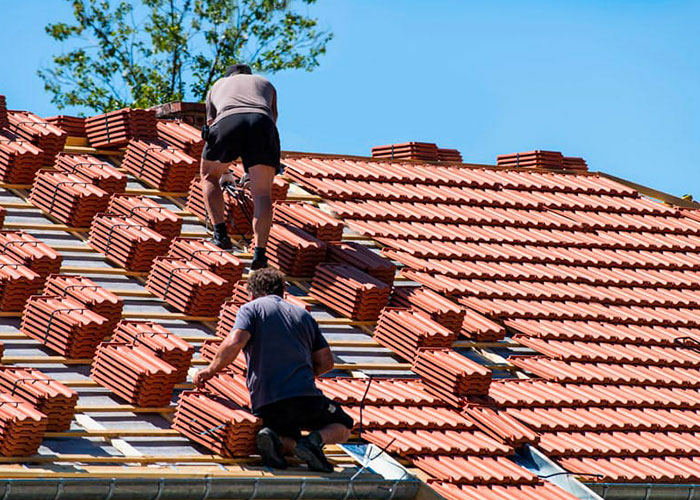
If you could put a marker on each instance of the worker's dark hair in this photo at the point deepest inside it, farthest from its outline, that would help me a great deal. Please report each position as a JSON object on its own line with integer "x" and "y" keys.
{"x": 267, "y": 281}
{"x": 238, "y": 69}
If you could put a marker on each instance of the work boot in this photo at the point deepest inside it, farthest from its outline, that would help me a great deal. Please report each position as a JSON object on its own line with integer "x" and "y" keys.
{"x": 258, "y": 264}
{"x": 309, "y": 449}
{"x": 223, "y": 242}
{"x": 220, "y": 238}
{"x": 270, "y": 449}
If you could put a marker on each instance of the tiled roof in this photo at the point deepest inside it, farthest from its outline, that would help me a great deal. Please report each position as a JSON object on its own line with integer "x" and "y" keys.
{"x": 548, "y": 307}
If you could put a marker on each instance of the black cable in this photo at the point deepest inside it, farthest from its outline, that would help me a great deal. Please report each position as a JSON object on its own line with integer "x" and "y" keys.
{"x": 362, "y": 405}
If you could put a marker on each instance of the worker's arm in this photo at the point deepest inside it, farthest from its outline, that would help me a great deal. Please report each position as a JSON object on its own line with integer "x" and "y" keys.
{"x": 211, "y": 110}
{"x": 275, "y": 114}
{"x": 228, "y": 351}
{"x": 323, "y": 361}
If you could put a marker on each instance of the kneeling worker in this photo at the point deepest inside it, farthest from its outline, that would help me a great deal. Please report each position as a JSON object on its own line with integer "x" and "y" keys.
{"x": 241, "y": 115}
{"x": 285, "y": 351}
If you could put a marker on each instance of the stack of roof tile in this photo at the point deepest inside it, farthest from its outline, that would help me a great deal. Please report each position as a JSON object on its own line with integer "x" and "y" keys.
{"x": 575, "y": 163}
{"x": 47, "y": 395}
{"x": 74, "y": 126}
{"x": 425, "y": 151}
{"x": 231, "y": 383}
{"x": 308, "y": 218}
{"x": 405, "y": 331}
{"x": 294, "y": 251}
{"x": 135, "y": 373}
{"x": 182, "y": 136}
{"x": 165, "y": 344}
{"x": 33, "y": 253}
{"x": 19, "y": 159}
{"x": 4, "y": 121}
{"x": 451, "y": 155}
{"x": 47, "y": 137}
{"x": 217, "y": 424}
{"x": 67, "y": 197}
{"x": 239, "y": 296}
{"x": 22, "y": 427}
{"x": 204, "y": 253}
{"x": 349, "y": 291}
{"x": 94, "y": 170}
{"x": 237, "y": 222}
{"x": 451, "y": 375}
{"x": 147, "y": 211}
{"x": 208, "y": 351}
{"x": 126, "y": 242}
{"x": 90, "y": 294}
{"x": 116, "y": 128}
{"x": 64, "y": 325}
{"x": 160, "y": 165}
{"x": 17, "y": 284}
{"x": 187, "y": 286}
{"x": 439, "y": 308}
{"x": 532, "y": 159}
{"x": 358, "y": 255}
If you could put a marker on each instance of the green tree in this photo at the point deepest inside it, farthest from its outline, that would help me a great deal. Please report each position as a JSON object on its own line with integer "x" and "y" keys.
{"x": 143, "y": 53}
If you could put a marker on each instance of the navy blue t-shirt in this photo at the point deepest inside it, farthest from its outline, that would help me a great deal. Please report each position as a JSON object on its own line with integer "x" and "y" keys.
{"x": 278, "y": 354}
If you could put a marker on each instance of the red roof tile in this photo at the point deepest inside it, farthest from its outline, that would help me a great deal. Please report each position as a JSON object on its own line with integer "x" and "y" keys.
{"x": 475, "y": 470}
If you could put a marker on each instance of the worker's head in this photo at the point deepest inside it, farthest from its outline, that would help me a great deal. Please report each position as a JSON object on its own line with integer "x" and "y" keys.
{"x": 266, "y": 281}
{"x": 238, "y": 69}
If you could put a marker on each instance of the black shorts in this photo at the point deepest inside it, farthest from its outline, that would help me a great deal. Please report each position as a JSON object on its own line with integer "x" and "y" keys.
{"x": 289, "y": 416}
{"x": 253, "y": 137}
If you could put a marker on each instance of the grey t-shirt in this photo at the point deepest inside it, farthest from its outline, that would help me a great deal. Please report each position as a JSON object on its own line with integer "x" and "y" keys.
{"x": 241, "y": 94}
{"x": 278, "y": 354}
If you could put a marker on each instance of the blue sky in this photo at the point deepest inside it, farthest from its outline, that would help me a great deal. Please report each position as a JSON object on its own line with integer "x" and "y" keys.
{"x": 616, "y": 82}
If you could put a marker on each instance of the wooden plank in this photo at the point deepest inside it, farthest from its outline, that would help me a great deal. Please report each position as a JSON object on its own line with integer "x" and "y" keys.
{"x": 653, "y": 193}
{"x": 144, "y": 459}
{"x": 16, "y": 204}
{"x": 73, "y": 248}
{"x": 113, "y": 433}
{"x": 15, "y": 186}
{"x": 92, "y": 151}
{"x": 123, "y": 409}
{"x": 30, "y": 226}
{"x": 110, "y": 271}
{"x": 44, "y": 360}
{"x": 156, "y": 192}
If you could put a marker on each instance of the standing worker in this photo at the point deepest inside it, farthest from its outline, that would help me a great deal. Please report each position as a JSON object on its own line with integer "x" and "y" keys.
{"x": 241, "y": 122}
{"x": 285, "y": 351}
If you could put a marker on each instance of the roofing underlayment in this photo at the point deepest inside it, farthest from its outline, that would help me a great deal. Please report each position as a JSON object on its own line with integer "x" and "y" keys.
{"x": 474, "y": 312}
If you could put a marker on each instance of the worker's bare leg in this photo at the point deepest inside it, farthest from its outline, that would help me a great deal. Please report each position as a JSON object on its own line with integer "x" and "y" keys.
{"x": 211, "y": 172}
{"x": 330, "y": 434}
{"x": 261, "y": 178}
{"x": 334, "y": 433}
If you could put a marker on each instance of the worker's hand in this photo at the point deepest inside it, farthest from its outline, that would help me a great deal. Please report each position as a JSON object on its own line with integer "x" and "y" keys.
{"x": 201, "y": 377}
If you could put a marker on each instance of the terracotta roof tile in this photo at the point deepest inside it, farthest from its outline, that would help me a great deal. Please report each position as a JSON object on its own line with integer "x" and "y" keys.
{"x": 92, "y": 169}
{"x": 181, "y": 136}
{"x": 160, "y": 165}
{"x": 42, "y": 134}
{"x": 424, "y": 442}
{"x": 543, "y": 489}
{"x": 116, "y": 128}
{"x": 310, "y": 219}
{"x": 19, "y": 158}
{"x": 475, "y": 470}
{"x": 148, "y": 212}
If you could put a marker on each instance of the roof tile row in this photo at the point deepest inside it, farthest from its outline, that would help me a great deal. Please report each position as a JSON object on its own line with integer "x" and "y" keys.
{"x": 42, "y": 134}
{"x": 160, "y": 165}
{"x": 308, "y": 218}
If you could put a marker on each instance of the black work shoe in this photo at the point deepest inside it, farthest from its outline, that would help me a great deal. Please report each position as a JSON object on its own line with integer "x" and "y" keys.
{"x": 310, "y": 450}
{"x": 258, "y": 264}
{"x": 223, "y": 243}
{"x": 270, "y": 449}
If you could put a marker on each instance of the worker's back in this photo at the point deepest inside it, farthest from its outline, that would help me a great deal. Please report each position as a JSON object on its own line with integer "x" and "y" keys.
{"x": 241, "y": 93}
{"x": 283, "y": 337}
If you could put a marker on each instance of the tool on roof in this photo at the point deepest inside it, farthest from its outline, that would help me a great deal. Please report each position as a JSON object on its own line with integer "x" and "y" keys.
{"x": 237, "y": 190}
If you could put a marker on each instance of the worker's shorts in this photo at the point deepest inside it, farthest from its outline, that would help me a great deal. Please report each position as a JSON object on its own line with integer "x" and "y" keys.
{"x": 289, "y": 416}
{"x": 253, "y": 137}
